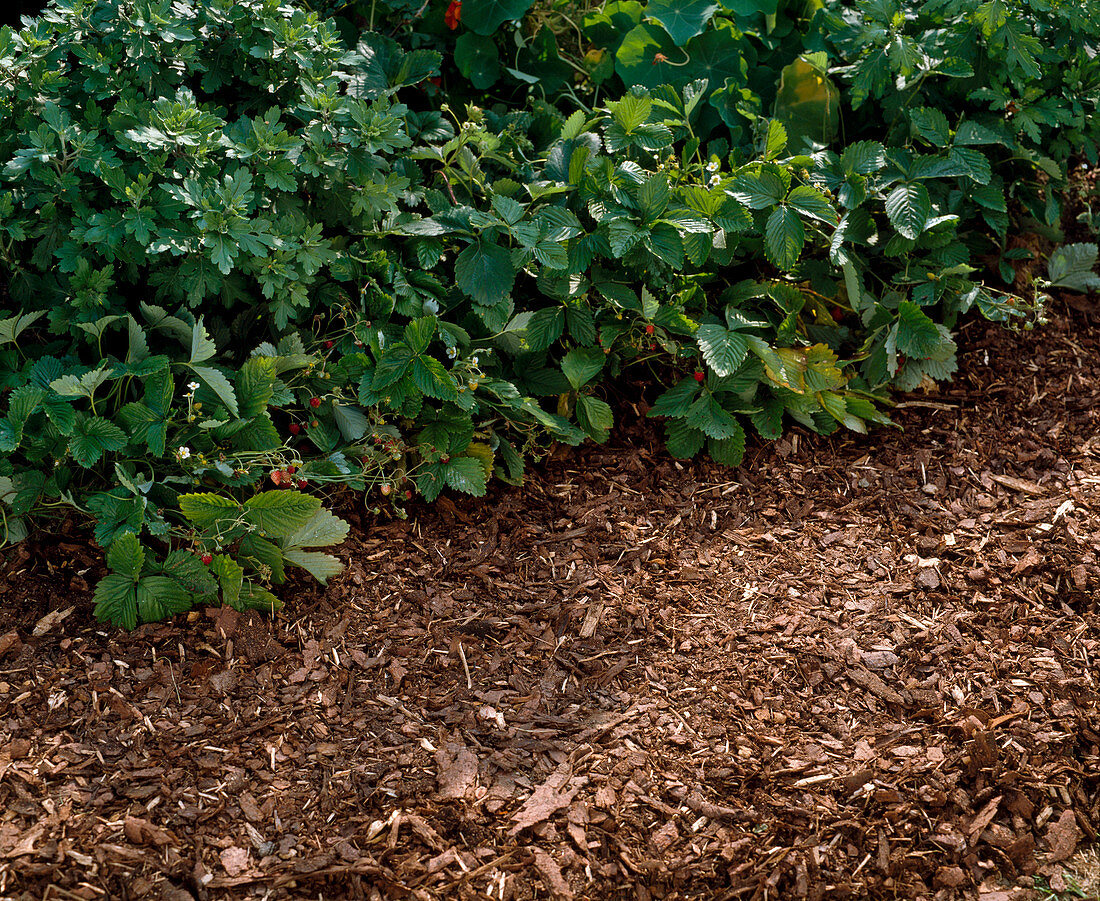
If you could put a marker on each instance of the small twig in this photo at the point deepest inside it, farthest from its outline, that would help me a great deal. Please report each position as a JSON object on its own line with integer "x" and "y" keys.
{"x": 465, "y": 666}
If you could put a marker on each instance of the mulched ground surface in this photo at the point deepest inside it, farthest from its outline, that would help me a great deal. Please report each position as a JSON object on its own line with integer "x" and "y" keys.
{"x": 852, "y": 668}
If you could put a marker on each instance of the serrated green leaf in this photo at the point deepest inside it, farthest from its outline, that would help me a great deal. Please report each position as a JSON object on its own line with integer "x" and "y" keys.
{"x": 255, "y": 386}
{"x": 115, "y": 601}
{"x": 863, "y": 157}
{"x": 758, "y": 191}
{"x": 206, "y": 509}
{"x": 259, "y": 553}
{"x": 419, "y": 333}
{"x": 220, "y": 385}
{"x": 432, "y": 377}
{"x": 319, "y": 565}
{"x": 708, "y": 416}
{"x": 682, "y": 440}
{"x": 582, "y": 364}
{"x": 784, "y": 237}
{"x": 484, "y": 271}
{"x": 908, "y": 207}
{"x": 723, "y": 349}
{"x": 94, "y": 436}
{"x": 159, "y": 597}
{"x": 280, "y": 513}
{"x": 916, "y": 335}
{"x": 813, "y": 203}
{"x": 466, "y": 474}
{"x": 230, "y": 578}
{"x": 126, "y": 556}
{"x": 595, "y": 417}
{"x": 676, "y": 400}
{"x": 322, "y": 530}
{"x": 202, "y": 345}
{"x": 728, "y": 451}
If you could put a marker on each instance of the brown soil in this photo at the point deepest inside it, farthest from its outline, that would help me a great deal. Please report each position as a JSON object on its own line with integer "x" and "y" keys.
{"x": 852, "y": 668}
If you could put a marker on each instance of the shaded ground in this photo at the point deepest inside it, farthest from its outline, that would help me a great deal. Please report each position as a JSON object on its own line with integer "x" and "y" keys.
{"x": 853, "y": 668}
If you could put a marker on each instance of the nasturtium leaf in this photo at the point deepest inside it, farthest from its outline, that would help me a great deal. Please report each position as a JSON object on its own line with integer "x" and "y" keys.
{"x": 485, "y": 16}
{"x": 478, "y": 59}
{"x": 649, "y": 56}
{"x": 808, "y": 105}
{"x": 682, "y": 19}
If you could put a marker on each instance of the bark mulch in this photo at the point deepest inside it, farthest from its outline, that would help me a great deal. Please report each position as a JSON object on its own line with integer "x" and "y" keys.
{"x": 852, "y": 668}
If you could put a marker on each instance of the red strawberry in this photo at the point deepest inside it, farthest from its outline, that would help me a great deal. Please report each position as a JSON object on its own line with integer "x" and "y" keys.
{"x": 329, "y": 345}
{"x": 649, "y": 329}
{"x": 386, "y": 488}
{"x": 302, "y": 483}
{"x": 294, "y": 428}
{"x": 699, "y": 376}
{"x": 408, "y": 495}
{"x": 315, "y": 402}
{"x": 313, "y": 424}
{"x": 292, "y": 469}
{"x": 207, "y": 559}
{"x": 277, "y": 476}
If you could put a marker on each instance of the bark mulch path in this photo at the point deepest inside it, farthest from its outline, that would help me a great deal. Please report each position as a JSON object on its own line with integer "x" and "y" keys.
{"x": 852, "y": 668}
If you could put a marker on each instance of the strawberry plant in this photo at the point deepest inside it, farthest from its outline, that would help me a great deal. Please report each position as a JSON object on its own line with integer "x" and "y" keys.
{"x": 251, "y": 259}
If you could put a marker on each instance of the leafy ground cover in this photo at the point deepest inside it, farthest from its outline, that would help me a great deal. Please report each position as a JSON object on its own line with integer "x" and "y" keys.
{"x": 862, "y": 667}
{"x": 254, "y": 256}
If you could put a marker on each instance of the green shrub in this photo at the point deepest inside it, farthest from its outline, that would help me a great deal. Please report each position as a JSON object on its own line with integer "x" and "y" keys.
{"x": 235, "y": 257}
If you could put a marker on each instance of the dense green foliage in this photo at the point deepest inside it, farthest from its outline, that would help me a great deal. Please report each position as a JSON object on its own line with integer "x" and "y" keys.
{"x": 245, "y": 245}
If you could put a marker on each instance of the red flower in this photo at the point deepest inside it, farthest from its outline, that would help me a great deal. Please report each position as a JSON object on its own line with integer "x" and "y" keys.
{"x": 453, "y": 15}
